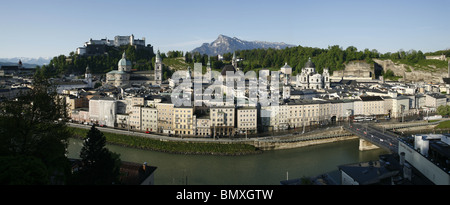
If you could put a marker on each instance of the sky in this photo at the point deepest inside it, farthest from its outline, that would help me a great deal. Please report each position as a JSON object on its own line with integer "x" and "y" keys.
{"x": 49, "y": 28}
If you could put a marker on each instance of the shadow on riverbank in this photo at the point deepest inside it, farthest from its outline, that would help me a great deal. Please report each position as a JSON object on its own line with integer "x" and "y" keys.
{"x": 175, "y": 147}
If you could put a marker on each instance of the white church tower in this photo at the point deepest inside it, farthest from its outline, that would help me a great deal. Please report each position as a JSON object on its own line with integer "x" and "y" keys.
{"x": 208, "y": 71}
{"x": 88, "y": 77}
{"x": 158, "y": 69}
{"x": 326, "y": 78}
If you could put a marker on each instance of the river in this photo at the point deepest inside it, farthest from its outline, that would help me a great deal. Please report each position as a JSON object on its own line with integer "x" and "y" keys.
{"x": 268, "y": 168}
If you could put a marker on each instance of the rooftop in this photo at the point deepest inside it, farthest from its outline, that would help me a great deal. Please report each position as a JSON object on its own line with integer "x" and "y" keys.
{"x": 371, "y": 98}
{"x": 134, "y": 173}
{"x": 372, "y": 172}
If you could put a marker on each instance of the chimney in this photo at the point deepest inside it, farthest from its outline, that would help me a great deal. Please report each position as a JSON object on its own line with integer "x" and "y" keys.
{"x": 144, "y": 166}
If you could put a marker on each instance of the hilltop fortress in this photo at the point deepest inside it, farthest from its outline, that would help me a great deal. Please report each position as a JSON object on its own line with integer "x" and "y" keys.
{"x": 98, "y": 47}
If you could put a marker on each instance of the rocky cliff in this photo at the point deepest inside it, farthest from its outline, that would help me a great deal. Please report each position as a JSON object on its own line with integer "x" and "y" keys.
{"x": 432, "y": 75}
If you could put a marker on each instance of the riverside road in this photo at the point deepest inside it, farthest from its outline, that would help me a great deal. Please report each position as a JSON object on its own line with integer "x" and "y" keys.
{"x": 378, "y": 136}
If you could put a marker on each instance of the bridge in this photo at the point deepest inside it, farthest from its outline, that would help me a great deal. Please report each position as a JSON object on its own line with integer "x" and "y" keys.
{"x": 380, "y": 138}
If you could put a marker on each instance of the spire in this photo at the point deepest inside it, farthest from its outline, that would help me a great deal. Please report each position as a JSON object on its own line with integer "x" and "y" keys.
{"x": 123, "y": 55}
{"x": 158, "y": 57}
{"x": 209, "y": 62}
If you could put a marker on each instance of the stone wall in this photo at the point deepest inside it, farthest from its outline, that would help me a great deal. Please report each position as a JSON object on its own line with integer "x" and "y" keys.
{"x": 412, "y": 74}
{"x": 356, "y": 69}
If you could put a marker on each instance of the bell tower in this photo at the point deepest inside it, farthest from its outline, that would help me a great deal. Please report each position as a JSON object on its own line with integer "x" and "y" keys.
{"x": 158, "y": 69}
{"x": 88, "y": 77}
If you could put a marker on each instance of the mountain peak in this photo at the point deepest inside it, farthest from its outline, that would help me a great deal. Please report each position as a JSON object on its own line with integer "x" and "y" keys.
{"x": 222, "y": 36}
{"x": 225, "y": 44}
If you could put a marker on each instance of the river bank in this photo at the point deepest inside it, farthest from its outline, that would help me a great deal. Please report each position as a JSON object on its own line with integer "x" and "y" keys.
{"x": 268, "y": 168}
{"x": 221, "y": 147}
{"x": 175, "y": 147}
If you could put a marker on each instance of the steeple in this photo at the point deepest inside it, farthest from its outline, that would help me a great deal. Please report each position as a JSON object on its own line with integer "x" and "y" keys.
{"x": 158, "y": 57}
{"x": 158, "y": 69}
{"x": 188, "y": 73}
{"x": 88, "y": 77}
{"x": 208, "y": 65}
{"x": 234, "y": 60}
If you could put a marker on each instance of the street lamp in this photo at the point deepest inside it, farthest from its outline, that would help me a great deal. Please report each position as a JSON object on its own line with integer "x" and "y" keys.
{"x": 128, "y": 126}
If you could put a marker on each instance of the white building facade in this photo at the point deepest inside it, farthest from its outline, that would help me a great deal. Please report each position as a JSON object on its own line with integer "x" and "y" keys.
{"x": 309, "y": 79}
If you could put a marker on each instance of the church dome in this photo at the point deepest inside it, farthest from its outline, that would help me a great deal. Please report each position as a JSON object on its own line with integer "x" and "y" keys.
{"x": 124, "y": 64}
{"x": 310, "y": 64}
{"x": 228, "y": 68}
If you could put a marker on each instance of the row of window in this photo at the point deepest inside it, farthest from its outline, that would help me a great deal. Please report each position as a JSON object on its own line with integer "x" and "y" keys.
{"x": 183, "y": 116}
{"x": 221, "y": 114}
{"x": 184, "y": 111}
{"x": 249, "y": 115}
{"x": 247, "y": 125}
{"x": 183, "y": 126}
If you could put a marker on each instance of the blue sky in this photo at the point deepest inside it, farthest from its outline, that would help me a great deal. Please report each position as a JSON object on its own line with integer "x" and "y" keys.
{"x": 48, "y": 28}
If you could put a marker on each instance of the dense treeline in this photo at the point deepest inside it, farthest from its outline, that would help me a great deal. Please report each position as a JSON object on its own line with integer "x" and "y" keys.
{"x": 441, "y": 52}
{"x": 142, "y": 59}
{"x": 33, "y": 141}
{"x": 333, "y": 57}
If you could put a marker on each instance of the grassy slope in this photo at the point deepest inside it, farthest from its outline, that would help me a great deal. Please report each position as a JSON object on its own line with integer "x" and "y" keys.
{"x": 172, "y": 146}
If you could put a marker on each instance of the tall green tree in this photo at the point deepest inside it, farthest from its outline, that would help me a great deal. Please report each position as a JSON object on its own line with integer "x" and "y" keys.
{"x": 30, "y": 126}
{"x": 99, "y": 165}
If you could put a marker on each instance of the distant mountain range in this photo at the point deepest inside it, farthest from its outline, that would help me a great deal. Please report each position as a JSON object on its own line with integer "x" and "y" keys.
{"x": 224, "y": 44}
{"x": 26, "y": 62}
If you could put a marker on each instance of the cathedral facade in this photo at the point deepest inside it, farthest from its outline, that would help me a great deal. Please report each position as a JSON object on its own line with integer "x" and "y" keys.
{"x": 309, "y": 79}
{"x": 124, "y": 76}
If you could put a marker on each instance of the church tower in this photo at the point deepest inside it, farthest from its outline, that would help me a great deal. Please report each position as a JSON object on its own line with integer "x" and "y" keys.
{"x": 326, "y": 78}
{"x": 88, "y": 77}
{"x": 208, "y": 70}
{"x": 158, "y": 69}
{"x": 234, "y": 61}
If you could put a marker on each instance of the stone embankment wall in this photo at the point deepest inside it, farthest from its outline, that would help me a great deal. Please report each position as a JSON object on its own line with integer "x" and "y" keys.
{"x": 302, "y": 140}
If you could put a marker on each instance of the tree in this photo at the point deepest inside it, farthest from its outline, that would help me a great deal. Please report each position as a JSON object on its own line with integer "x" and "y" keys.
{"x": 23, "y": 170}
{"x": 32, "y": 125}
{"x": 99, "y": 165}
{"x": 443, "y": 110}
